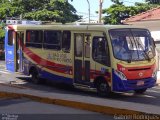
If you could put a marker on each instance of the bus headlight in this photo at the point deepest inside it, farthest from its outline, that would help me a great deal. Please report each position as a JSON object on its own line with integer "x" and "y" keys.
{"x": 120, "y": 75}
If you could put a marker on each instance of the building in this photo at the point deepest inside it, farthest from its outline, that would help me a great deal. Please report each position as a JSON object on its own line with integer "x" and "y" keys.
{"x": 149, "y": 19}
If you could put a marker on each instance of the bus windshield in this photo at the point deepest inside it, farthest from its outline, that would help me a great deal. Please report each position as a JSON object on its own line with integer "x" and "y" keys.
{"x": 132, "y": 44}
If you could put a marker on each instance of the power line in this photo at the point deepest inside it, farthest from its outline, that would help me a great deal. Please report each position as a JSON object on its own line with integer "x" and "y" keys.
{"x": 84, "y": 13}
{"x": 129, "y": 1}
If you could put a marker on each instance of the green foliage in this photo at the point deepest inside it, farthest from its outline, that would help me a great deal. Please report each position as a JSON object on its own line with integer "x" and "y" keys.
{"x": 59, "y": 11}
{"x": 2, "y": 31}
{"x": 45, "y": 10}
{"x": 118, "y": 11}
{"x": 153, "y": 1}
{"x": 2, "y": 34}
{"x": 7, "y": 9}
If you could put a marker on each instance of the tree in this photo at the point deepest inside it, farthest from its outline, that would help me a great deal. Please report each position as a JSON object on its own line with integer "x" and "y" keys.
{"x": 2, "y": 31}
{"x": 118, "y": 11}
{"x": 45, "y": 10}
{"x": 59, "y": 11}
{"x": 8, "y": 10}
{"x": 153, "y": 1}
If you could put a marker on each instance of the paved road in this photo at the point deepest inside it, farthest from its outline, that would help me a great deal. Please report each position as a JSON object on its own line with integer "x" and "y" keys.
{"x": 30, "y": 110}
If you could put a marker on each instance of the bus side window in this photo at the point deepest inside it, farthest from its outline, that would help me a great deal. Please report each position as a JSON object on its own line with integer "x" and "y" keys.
{"x": 10, "y": 37}
{"x": 34, "y": 38}
{"x": 100, "y": 51}
{"x": 52, "y": 39}
{"x": 87, "y": 46}
{"x": 66, "y": 41}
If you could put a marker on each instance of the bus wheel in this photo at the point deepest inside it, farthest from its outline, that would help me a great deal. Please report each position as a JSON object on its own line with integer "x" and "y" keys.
{"x": 103, "y": 88}
{"x": 140, "y": 91}
{"x": 35, "y": 78}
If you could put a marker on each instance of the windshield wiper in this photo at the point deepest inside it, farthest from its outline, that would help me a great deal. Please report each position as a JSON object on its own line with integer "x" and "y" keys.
{"x": 145, "y": 53}
{"x": 141, "y": 47}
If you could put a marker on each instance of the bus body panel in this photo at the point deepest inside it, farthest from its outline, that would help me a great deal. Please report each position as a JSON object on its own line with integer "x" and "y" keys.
{"x": 48, "y": 65}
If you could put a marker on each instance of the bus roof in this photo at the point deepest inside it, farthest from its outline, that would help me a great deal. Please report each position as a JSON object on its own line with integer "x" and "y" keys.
{"x": 20, "y": 27}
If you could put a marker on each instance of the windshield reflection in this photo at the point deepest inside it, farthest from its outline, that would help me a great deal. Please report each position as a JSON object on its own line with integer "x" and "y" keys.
{"x": 132, "y": 44}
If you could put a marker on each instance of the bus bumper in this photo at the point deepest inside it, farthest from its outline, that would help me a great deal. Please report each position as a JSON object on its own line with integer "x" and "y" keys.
{"x": 119, "y": 85}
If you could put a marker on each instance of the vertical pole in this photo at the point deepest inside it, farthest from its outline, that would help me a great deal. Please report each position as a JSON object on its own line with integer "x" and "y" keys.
{"x": 88, "y": 11}
{"x": 100, "y": 10}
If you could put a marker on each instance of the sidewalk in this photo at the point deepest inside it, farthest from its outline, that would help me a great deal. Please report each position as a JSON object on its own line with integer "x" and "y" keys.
{"x": 102, "y": 105}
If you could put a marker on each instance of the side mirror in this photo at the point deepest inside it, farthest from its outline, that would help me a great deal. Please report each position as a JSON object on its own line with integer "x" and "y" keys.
{"x": 153, "y": 42}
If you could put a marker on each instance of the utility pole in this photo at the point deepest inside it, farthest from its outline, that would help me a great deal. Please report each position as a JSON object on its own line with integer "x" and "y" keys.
{"x": 88, "y": 11}
{"x": 100, "y": 10}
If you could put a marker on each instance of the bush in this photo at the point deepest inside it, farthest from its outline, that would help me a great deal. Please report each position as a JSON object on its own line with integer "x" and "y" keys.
{"x": 2, "y": 55}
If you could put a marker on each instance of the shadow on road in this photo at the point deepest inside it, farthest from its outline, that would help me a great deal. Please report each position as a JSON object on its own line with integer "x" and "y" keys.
{"x": 150, "y": 97}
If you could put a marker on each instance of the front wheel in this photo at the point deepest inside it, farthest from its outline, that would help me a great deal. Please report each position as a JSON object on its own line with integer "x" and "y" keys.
{"x": 103, "y": 88}
{"x": 35, "y": 77}
{"x": 140, "y": 91}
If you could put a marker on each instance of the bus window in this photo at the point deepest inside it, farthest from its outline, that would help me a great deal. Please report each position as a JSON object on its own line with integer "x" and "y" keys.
{"x": 79, "y": 45}
{"x": 66, "y": 41}
{"x": 87, "y": 46}
{"x": 34, "y": 38}
{"x": 100, "y": 50}
{"x": 52, "y": 39}
{"x": 10, "y": 37}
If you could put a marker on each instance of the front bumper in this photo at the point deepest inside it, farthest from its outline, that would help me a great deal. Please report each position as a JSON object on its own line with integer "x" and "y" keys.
{"x": 119, "y": 85}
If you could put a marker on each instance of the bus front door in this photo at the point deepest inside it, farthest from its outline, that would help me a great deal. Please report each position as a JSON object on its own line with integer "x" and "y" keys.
{"x": 10, "y": 50}
{"x": 82, "y": 58}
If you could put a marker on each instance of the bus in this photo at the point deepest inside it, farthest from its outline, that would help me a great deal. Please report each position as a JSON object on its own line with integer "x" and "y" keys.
{"x": 107, "y": 58}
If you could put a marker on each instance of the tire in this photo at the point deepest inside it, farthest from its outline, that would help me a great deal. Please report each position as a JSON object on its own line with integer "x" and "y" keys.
{"x": 35, "y": 78}
{"x": 140, "y": 91}
{"x": 103, "y": 88}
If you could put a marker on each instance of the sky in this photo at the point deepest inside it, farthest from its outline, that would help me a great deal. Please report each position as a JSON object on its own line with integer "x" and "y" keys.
{"x": 82, "y": 6}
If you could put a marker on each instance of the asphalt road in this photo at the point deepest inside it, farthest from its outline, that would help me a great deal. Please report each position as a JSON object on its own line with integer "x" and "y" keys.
{"x": 25, "y": 109}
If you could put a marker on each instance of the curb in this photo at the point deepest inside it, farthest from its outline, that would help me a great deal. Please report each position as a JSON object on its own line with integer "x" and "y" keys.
{"x": 79, "y": 105}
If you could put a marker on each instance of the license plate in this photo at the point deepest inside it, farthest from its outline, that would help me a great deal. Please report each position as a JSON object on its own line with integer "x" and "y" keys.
{"x": 140, "y": 83}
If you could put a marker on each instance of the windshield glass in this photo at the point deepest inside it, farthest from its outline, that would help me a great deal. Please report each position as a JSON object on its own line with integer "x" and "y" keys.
{"x": 132, "y": 44}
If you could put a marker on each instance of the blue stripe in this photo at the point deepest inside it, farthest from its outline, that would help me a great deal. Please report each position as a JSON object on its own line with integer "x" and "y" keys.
{"x": 55, "y": 78}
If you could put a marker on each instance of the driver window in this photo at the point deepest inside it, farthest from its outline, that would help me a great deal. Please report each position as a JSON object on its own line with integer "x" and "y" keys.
{"x": 100, "y": 50}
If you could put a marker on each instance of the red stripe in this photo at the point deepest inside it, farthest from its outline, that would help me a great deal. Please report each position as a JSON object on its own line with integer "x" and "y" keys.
{"x": 10, "y": 27}
{"x": 45, "y": 63}
{"x": 95, "y": 73}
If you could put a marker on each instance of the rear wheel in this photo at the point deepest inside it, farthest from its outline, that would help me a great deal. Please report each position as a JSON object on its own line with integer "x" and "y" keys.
{"x": 140, "y": 91}
{"x": 35, "y": 77}
{"x": 103, "y": 88}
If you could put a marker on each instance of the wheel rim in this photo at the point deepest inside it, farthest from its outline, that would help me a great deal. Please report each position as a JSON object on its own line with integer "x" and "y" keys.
{"x": 103, "y": 87}
{"x": 35, "y": 77}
